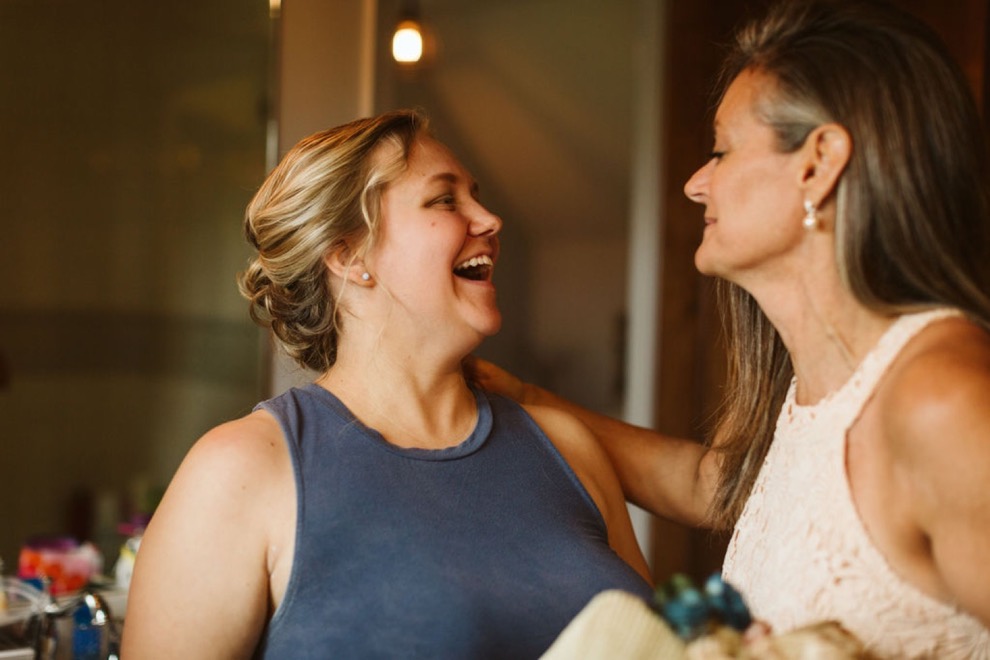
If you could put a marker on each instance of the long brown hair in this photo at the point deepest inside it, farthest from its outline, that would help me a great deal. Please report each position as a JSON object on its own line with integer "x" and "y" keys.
{"x": 913, "y": 217}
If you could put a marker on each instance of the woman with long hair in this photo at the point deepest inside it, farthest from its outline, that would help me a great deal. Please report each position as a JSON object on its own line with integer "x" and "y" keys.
{"x": 847, "y": 220}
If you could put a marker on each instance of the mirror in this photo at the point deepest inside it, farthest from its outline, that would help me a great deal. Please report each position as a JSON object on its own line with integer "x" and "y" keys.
{"x": 134, "y": 136}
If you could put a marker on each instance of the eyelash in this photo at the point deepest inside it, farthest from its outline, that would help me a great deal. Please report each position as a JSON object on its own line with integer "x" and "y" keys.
{"x": 443, "y": 200}
{"x": 716, "y": 155}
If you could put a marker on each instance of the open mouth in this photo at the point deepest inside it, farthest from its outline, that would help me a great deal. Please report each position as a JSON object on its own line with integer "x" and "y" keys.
{"x": 477, "y": 268}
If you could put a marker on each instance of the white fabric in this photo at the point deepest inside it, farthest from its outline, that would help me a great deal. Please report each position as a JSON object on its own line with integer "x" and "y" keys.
{"x": 800, "y": 553}
{"x": 616, "y": 624}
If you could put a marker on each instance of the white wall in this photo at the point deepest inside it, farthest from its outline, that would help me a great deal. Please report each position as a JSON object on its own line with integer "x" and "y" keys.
{"x": 324, "y": 78}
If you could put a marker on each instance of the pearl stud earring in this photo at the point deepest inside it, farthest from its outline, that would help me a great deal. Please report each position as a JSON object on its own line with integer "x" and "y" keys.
{"x": 810, "y": 218}
{"x": 365, "y": 276}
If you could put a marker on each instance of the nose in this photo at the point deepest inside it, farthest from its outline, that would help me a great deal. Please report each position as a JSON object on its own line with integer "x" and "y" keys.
{"x": 696, "y": 187}
{"x": 484, "y": 222}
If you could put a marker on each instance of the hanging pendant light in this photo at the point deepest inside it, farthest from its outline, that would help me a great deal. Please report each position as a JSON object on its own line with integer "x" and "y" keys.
{"x": 407, "y": 41}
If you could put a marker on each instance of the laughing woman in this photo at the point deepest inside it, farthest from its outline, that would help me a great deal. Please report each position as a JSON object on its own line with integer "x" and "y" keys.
{"x": 388, "y": 508}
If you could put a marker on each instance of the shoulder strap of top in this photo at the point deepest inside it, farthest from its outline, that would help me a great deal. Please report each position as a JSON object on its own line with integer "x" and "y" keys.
{"x": 878, "y": 360}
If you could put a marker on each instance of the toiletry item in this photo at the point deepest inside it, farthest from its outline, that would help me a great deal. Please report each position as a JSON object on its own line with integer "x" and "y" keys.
{"x": 124, "y": 567}
{"x": 68, "y": 564}
{"x": 87, "y": 636}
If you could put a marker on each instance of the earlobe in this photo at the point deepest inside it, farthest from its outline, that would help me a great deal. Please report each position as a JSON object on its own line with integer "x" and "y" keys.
{"x": 342, "y": 262}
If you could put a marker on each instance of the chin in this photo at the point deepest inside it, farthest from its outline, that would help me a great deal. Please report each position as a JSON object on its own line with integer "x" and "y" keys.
{"x": 702, "y": 264}
{"x": 713, "y": 262}
{"x": 491, "y": 329}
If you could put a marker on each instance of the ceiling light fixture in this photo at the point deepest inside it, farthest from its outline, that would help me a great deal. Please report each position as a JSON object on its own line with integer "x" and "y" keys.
{"x": 407, "y": 42}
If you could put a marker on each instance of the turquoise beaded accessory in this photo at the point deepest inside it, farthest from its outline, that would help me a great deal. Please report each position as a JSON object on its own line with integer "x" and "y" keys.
{"x": 692, "y": 612}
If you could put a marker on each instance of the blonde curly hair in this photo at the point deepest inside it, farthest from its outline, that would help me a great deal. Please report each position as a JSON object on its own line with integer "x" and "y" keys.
{"x": 325, "y": 193}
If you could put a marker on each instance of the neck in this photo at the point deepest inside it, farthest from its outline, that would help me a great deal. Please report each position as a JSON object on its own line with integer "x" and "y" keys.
{"x": 826, "y": 348}
{"x": 412, "y": 399}
{"x": 827, "y": 331}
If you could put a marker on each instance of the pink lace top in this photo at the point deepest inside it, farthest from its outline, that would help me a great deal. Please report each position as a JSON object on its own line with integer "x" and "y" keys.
{"x": 800, "y": 553}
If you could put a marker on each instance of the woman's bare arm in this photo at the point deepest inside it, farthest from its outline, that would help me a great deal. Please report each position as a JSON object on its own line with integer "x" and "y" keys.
{"x": 201, "y": 586}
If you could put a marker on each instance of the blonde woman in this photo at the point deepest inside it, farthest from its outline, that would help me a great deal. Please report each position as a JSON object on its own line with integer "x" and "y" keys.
{"x": 388, "y": 509}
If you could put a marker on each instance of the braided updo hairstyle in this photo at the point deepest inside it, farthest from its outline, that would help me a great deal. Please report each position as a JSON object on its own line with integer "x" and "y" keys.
{"x": 324, "y": 193}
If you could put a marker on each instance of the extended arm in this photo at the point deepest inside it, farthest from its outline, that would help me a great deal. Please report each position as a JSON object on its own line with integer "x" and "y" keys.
{"x": 670, "y": 477}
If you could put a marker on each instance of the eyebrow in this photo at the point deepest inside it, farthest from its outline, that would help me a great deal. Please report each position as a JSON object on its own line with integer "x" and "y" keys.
{"x": 452, "y": 178}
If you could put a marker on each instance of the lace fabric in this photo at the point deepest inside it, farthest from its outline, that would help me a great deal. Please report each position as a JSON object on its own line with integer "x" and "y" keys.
{"x": 800, "y": 553}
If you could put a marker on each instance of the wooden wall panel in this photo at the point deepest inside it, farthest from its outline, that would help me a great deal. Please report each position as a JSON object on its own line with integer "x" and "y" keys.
{"x": 691, "y": 361}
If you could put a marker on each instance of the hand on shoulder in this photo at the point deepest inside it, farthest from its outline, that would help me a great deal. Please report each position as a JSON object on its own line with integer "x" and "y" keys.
{"x": 493, "y": 378}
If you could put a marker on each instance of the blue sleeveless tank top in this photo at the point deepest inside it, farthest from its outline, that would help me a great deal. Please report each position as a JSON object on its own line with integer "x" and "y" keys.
{"x": 483, "y": 550}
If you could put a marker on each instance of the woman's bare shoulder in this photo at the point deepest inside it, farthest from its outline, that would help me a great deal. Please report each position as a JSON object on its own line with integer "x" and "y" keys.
{"x": 236, "y": 466}
{"x": 572, "y": 438}
{"x": 934, "y": 416}
{"x": 554, "y": 419}
{"x": 936, "y": 423}
{"x": 206, "y": 565}
{"x": 940, "y": 384}
{"x": 579, "y": 447}
{"x": 254, "y": 437}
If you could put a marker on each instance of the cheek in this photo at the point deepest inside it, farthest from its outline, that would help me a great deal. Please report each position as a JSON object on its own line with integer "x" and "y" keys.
{"x": 758, "y": 192}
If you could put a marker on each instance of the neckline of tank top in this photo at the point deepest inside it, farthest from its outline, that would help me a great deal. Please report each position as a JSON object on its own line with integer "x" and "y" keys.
{"x": 472, "y": 443}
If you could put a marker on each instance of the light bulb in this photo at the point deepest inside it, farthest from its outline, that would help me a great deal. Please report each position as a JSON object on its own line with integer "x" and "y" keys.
{"x": 407, "y": 43}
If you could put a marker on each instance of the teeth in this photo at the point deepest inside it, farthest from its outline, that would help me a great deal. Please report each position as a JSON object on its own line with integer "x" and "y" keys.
{"x": 482, "y": 260}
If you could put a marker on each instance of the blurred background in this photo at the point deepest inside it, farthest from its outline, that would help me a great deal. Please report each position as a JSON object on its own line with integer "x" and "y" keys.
{"x": 134, "y": 134}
